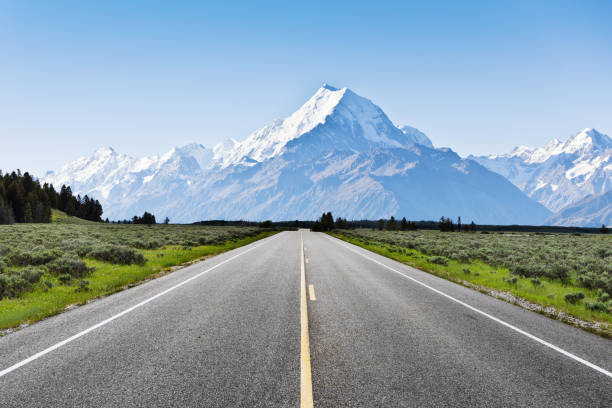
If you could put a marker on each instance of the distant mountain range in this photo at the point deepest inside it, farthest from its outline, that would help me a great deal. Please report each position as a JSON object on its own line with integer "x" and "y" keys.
{"x": 339, "y": 152}
{"x": 572, "y": 178}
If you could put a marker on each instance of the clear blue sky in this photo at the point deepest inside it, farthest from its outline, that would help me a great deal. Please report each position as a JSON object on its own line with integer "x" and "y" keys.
{"x": 143, "y": 76}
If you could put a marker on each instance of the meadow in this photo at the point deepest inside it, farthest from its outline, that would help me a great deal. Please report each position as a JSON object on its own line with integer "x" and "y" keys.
{"x": 571, "y": 273}
{"x": 45, "y": 268}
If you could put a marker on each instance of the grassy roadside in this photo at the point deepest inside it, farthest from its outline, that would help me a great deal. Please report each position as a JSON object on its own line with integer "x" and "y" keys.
{"x": 548, "y": 293}
{"x": 107, "y": 278}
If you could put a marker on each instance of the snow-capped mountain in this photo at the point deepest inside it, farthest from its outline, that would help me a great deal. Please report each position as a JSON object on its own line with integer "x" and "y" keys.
{"x": 592, "y": 211}
{"x": 341, "y": 120}
{"x": 123, "y": 183}
{"x": 339, "y": 152}
{"x": 558, "y": 174}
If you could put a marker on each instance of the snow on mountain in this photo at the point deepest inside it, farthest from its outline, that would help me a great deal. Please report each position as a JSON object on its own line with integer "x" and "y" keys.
{"x": 592, "y": 211}
{"x": 560, "y": 173}
{"x": 121, "y": 182}
{"x": 339, "y": 152}
{"x": 416, "y": 136}
{"x": 363, "y": 125}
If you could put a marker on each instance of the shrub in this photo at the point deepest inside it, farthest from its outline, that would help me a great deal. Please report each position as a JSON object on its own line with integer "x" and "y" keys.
{"x": 602, "y": 295}
{"x": 82, "y": 286}
{"x": 148, "y": 244}
{"x": 74, "y": 267}
{"x": 597, "y": 306}
{"x": 31, "y": 274}
{"x": 519, "y": 269}
{"x": 43, "y": 256}
{"x": 64, "y": 278}
{"x": 573, "y": 297}
{"x": 15, "y": 286}
{"x": 3, "y": 265}
{"x": 117, "y": 254}
{"x": 466, "y": 271}
{"x": 4, "y": 284}
{"x": 558, "y": 271}
{"x": 78, "y": 246}
{"x": 440, "y": 260}
{"x": 512, "y": 280}
{"x": 535, "y": 282}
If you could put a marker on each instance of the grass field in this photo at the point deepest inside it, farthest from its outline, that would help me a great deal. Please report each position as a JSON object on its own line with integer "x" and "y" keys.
{"x": 46, "y": 267}
{"x": 571, "y": 273}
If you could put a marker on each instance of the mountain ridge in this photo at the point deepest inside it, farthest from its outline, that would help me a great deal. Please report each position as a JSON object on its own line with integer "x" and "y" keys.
{"x": 338, "y": 152}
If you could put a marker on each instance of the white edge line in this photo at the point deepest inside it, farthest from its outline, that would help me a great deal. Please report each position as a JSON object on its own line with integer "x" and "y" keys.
{"x": 496, "y": 319}
{"x": 126, "y": 311}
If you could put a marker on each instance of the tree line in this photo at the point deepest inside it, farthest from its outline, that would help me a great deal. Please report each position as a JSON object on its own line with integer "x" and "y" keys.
{"x": 447, "y": 225}
{"x": 326, "y": 223}
{"x": 24, "y": 199}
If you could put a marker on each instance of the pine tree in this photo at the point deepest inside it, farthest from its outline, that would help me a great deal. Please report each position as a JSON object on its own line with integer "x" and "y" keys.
{"x": 27, "y": 213}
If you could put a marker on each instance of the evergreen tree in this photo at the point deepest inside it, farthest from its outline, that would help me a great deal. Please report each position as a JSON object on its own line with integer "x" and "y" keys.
{"x": 391, "y": 224}
{"x": 23, "y": 199}
{"x": 327, "y": 221}
{"x": 446, "y": 225}
{"x": 404, "y": 224}
{"x": 381, "y": 224}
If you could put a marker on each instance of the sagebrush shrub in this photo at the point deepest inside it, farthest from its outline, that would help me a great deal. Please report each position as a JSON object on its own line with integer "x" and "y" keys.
{"x": 64, "y": 278}
{"x": 440, "y": 260}
{"x": 72, "y": 266}
{"x": 117, "y": 254}
{"x": 573, "y": 297}
{"x": 597, "y": 306}
{"x": 32, "y": 274}
{"x": 12, "y": 285}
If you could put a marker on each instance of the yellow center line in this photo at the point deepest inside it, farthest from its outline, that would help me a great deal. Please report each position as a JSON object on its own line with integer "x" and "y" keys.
{"x": 306, "y": 400}
{"x": 311, "y": 292}
{"x": 307, "y": 261}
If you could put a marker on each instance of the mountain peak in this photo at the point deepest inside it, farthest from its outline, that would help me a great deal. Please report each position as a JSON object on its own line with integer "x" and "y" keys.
{"x": 329, "y": 87}
{"x": 104, "y": 151}
{"x": 332, "y": 119}
{"x": 587, "y": 139}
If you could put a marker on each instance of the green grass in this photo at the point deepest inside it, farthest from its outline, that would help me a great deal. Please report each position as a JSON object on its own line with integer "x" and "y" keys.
{"x": 550, "y": 292}
{"x": 60, "y": 217}
{"x": 163, "y": 247}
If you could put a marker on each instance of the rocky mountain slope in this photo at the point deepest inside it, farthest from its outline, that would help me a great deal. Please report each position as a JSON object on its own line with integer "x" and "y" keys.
{"x": 592, "y": 211}
{"x": 339, "y": 152}
{"x": 559, "y": 174}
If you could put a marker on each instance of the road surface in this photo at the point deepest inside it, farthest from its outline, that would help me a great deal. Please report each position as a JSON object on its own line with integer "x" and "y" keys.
{"x": 296, "y": 318}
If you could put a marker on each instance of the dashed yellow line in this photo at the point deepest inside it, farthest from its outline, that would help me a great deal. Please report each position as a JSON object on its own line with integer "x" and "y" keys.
{"x": 311, "y": 292}
{"x": 306, "y": 400}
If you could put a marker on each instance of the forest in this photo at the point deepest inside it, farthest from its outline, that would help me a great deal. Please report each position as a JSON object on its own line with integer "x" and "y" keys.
{"x": 24, "y": 200}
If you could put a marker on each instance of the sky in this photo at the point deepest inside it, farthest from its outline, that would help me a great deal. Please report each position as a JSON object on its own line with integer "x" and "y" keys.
{"x": 145, "y": 76}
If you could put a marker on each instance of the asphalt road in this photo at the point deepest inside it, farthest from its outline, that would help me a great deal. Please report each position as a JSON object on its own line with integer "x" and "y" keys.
{"x": 229, "y": 332}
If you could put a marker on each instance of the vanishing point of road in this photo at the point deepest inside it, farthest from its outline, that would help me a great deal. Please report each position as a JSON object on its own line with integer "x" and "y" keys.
{"x": 302, "y": 319}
